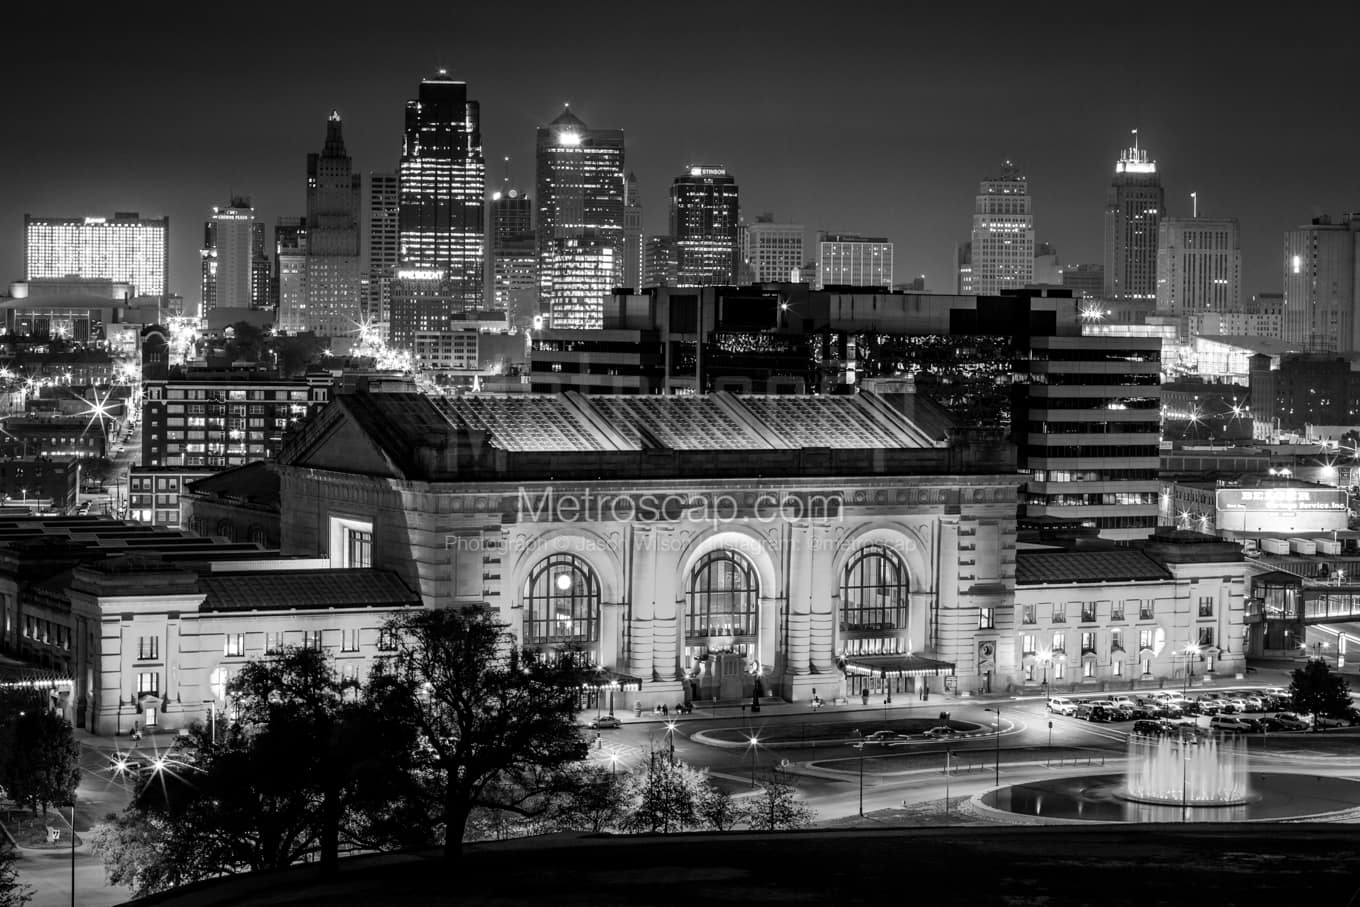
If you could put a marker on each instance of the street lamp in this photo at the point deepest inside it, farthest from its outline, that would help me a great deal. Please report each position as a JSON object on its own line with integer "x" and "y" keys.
{"x": 1191, "y": 651}
{"x": 613, "y": 764}
{"x": 670, "y": 735}
{"x": 73, "y": 849}
{"x": 948, "y": 757}
{"x": 753, "y": 742}
{"x": 1044, "y": 658}
{"x": 997, "y": 710}
{"x": 860, "y": 746}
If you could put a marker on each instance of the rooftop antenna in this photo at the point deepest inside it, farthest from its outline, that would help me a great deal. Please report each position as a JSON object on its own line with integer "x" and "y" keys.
{"x": 1194, "y": 203}
{"x": 507, "y": 172}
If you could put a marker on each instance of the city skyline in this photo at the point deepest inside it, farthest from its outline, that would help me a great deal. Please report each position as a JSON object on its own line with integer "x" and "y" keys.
{"x": 900, "y": 161}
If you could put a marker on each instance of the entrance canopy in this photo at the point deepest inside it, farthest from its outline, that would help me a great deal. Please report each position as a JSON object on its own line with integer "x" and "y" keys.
{"x": 897, "y": 666}
{"x": 14, "y": 674}
{"x": 608, "y": 679}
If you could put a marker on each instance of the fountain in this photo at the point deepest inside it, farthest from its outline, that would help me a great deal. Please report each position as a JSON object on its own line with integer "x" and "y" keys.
{"x": 1187, "y": 771}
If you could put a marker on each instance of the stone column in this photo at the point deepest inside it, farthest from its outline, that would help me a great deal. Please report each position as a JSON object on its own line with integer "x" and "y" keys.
{"x": 611, "y": 635}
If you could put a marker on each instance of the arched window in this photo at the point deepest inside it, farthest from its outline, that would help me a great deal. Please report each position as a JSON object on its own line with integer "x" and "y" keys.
{"x": 874, "y": 591}
{"x": 561, "y": 602}
{"x": 724, "y": 597}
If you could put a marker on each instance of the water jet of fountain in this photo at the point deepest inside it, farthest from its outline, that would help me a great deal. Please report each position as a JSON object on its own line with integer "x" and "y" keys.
{"x": 1192, "y": 772}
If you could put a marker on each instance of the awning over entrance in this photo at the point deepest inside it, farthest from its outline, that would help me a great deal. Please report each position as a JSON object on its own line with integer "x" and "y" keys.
{"x": 898, "y": 666}
{"x": 13, "y": 674}
{"x": 609, "y": 679}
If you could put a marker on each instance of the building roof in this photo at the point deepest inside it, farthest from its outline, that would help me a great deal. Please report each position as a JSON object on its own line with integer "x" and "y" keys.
{"x": 254, "y": 483}
{"x": 1270, "y": 346}
{"x": 304, "y": 589}
{"x": 1038, "y": 568}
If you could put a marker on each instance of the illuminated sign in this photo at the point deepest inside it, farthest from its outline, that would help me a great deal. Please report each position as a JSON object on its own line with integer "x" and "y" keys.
{"x": 1281, "y": 499}
{"x": 420, "y": 274}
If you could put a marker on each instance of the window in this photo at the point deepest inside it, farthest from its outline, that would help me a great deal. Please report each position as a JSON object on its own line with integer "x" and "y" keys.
{"x": 1059, "y": 613}
{"x": 311, "y": 639}
{"x": 358, "y": 548}
{"x": 1027, "y": 646}
{"x": 1088, "y": 612}
{"x": 349, "y": 641}
{"x": 1088, "y": 668}
{"x": 987, "y": 619}
{"x": 723, "y": 597}
{"x": 387, "y": 640}
{"x": 1030, "y": 616}
{"x": 561, "y": 602}
{"x": 1117, "y": 612}
{"x": 1145, "y": 639}
{"x": 148, "y": 683}
{"x": 874, "y": 591}
{"x": 1206, "y": 606}
{"x": 273, "y": 642}
{"x": 1206, "y": 636}
{"x": 1117, "y": 668}
{"x": 1116, "y": 640}
{"x": 235, "y": 645}
{"x": 1145, "y": 610}
{"x": 349, "y": 672}
{"x": 1147, "y": 667}
{"x": 1059, "y": 642}
{"x": 148, "y": 648}
{"x": 1059, "y": 669}
{"x": 1088, "y": 642}
{"x": 1029, "y": 672}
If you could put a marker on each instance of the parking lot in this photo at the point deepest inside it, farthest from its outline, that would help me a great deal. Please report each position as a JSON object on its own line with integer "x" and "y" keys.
{"x": 1242, "y": 710}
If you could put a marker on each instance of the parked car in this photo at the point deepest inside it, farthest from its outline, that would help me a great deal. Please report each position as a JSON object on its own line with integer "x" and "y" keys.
{"x": 881, "y": 736}
{"x": 1326, "y": 721}
{"x": 943, "y": 730}
{"x": 1229, "y": 723}
{"x": 1253, "y": 725}
{"x": 1062, "y": 705}
{"x": 1094, "y": 712}
{"x": 1150, "y": 728}
{"x": 1253, "y": 703}
{"x": 605, "y": 722}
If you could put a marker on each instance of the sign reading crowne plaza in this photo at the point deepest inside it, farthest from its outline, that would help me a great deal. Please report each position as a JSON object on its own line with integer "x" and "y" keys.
{"x": 697, "y": 547}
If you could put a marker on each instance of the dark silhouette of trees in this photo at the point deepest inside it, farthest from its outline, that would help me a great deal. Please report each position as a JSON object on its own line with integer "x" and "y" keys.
{"x": 39, "y": 757}
{"x": 1315, "y": 690}
{"x": 12, "y": 892}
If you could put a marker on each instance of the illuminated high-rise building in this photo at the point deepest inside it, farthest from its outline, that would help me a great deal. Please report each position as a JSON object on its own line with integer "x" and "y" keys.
{"x": 512, "y": 255}
{"x": 581, "y": 192}
{"x": 261, "y": 275}
{"x": 1199, "y": 266}
{"x": 381, "y": 244}
{"x": 661, "y": 262}
{"x": 1003, "y": 233}
{"x": 330, "y": 305}
{"x": 583, "y": 268}
{"x": 231, "y": 246}
{"x": 126, "y": 248}
{"x": 851, "y": 260}
{"x": 442, "y": 186}
{"x": 633, "y": 251}
{"x": 1134, "y": 208}
{"x": 1320, "y": 286}
{"x": 290, "y": 266}
{"x": 704, "y": 214}
{"x": 772, "y": 252}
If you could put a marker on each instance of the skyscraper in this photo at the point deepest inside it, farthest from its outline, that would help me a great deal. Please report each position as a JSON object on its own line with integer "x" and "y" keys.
{"x": 230, "y": 241}
{"x": 1133, "y": 213}
{"x": 290, "y": 265}
{"x": 848, "y": 259}
{"x": 261, "y": 283}
{"x": 442, "y": 185}
{"x": 772, "y": 252}
{"x": 331, "y": 288}
{"x": 381, "y": 244}
{"x": 512, "y": 256}
{"x": 584, "y": 268}
{"x": 963, "y": 269}
{"x": 581, "y": 194}
{"x": 1320, "y": 285}
{"x": 125, "y": 248}
{"x": 1199, "y": 266}
{"x": 632, "y": 235}
{"x": 1003, "y": 233}
{"x": 704, "y": 213}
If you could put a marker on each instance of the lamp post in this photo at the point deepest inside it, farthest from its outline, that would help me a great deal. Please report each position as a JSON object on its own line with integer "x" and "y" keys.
{"x": 948, "y": 757}
{"x": 1044, "y": 658}
{"x": 753, "y": 742}
{"x": 613, "y": 764}
{"x": 860, "y": 746}
{"x": 73, "y": 849}
{"x": 997, "y": 710}
{"x": 670, "y": 735}
{"x": 1185, "y": 780}
{"x": 1191, "y": 651}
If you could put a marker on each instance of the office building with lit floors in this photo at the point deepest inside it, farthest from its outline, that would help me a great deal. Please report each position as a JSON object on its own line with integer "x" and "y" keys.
{"x": 1088, "y": 428}
{"x": 696, "y": 547}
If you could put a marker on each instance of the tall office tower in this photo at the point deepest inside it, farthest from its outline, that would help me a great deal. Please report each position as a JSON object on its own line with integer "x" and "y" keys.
{"x": 632, "y": 235}
{"x": 848, "y": 259}
{"x": 125, "y": 248}
{"x": 1003, "y": 233}
{"x": 1084, "y": 280}
{"x": 228, "y": 257}
{"x": 705, "y": 210}
{"x": 1199, "y": 266}
{"x": 772, "y": 252}
{"x": 290, "y": 265}
{"x": 661, "y": 262}
{"x": 261, "y": 283}
{"x": 513, "y": 256}
{"x": 1320, "y": 285}
{"x": 442, "y": 194}
{"x": 1088, "y": 430}
{"x": 581, "y": 191}
{"x": 1133, "y": 213}
{"x": 584, "y": 268}
{"x": 381, "y": 244}
{"x": 963, "y": 268}
{"x": 330, "y": 306}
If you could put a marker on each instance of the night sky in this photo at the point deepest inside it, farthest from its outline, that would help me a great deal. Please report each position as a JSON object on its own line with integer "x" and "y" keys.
{"x": 864, "y": 117}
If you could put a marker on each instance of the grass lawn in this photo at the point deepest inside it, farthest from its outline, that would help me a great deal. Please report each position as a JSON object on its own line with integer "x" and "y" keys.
{"x": 30, "y": 830}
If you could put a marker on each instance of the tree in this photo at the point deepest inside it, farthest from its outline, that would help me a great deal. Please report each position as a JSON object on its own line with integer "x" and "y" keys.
{"x": 1315, "y": 689}
{"x": 665, "y": 796}
{"x": 776, "y": 807}
{"x": 595, "y": 799}
{"x": 718, "y": 809}
{"x": 12, "y": 892}
{"x": 40, "y": 761}
{"x": 493, "y": 723}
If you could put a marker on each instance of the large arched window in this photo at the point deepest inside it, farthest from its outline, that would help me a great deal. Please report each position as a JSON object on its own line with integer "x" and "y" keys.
{"x": 724, "y": 597}
{"x": 874, "y": 591}
{"x": 561, "y": 602}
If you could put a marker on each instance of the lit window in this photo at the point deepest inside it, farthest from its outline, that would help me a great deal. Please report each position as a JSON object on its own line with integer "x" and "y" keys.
{"x": 235, "y": 645}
